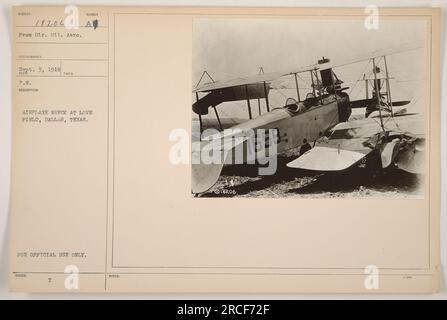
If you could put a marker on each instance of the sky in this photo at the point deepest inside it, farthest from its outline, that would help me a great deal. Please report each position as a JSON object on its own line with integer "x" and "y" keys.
{"x": 230, "y": 47}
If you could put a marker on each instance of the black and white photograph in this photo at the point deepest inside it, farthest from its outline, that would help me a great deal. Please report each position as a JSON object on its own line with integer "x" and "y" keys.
{"x": 319, "y": 107}
{"x": 198, "y": 151}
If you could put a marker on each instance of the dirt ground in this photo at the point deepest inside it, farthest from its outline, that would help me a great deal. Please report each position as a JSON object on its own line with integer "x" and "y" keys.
{"x": 244, "y": 181}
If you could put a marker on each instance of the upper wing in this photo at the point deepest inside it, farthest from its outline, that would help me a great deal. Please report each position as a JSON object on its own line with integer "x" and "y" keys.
{"x": 242, "y": 81}
{"x": 374, "y": 54}
{"x": 258, "y": 86}
{"x": 269, "y": 77}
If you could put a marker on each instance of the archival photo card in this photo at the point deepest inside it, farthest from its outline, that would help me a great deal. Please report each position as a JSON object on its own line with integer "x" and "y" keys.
{"x": 225, "y": 150}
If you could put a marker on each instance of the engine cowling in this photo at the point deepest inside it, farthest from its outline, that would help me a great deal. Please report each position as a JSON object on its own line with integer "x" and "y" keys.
{"x": 344, "y": 107}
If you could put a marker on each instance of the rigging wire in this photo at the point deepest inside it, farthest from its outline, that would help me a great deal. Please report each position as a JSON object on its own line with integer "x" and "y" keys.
{"x": 360, "y": 79}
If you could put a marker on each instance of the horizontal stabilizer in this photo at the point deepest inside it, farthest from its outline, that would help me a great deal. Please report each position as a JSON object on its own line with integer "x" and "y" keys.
{"x": 326, "y": 159}
{"x": 364, "y": 103}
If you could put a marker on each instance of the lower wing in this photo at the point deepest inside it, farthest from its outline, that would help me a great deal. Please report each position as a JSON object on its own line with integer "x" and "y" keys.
{"x": 404, "y": 151}
{"x": 326, "y": 159}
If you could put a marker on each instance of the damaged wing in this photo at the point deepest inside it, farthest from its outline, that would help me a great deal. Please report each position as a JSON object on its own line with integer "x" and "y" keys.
{"x": 401, "y": 144}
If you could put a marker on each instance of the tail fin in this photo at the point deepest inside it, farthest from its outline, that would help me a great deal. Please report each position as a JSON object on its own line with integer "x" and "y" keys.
{"x": 204, "y": 176}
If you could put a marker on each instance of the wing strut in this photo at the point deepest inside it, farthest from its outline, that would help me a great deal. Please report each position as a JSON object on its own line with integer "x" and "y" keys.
{"x": 297, "y": 88}
{"x": 318, "y": 84}
{"x": 388, "y": 90}
{"x": 366, "y": 86}
{"x": 266, "y": 97}
{"x": 248, "y": 102}
{"x": 334, "y": 86}
{"x": 261, "y": 71}
{"x": 376, "y": 84}
{"x": 313, "y": 83}
{"x": 200, "y": 119}
{"x": 218, "y": 119}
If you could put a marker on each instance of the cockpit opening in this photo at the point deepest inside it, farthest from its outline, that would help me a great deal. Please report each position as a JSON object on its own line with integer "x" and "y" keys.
{"x": 296, "y": 107}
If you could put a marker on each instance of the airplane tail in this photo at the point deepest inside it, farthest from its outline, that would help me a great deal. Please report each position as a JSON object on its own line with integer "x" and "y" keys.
{"x": 204, "y": 176}
{"x": 371, "y": 105}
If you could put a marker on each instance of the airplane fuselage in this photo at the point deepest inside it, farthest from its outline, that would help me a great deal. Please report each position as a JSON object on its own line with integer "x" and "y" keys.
{"x": 292, "y": 128}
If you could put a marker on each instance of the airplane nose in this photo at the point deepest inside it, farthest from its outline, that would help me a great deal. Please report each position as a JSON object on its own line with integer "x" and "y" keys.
{"x": 344, "y": 108}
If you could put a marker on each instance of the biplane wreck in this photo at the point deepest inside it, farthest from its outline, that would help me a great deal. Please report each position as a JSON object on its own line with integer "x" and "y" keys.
{"x": 384, "y": 137}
